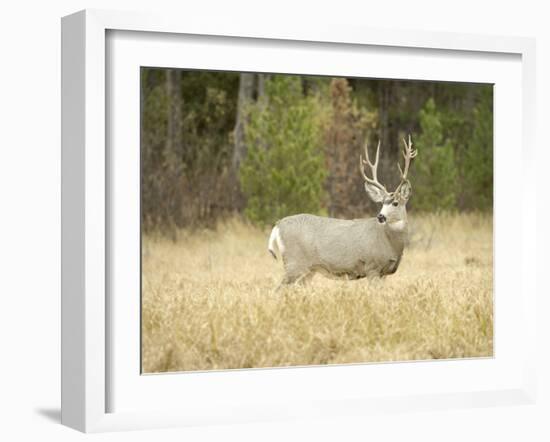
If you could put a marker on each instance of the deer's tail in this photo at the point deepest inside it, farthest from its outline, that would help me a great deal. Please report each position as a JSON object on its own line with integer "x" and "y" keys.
{"x": 275, "y": 241}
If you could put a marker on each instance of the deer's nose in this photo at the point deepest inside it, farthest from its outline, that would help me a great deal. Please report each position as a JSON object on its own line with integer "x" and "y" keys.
{"x": 381, "y": 218}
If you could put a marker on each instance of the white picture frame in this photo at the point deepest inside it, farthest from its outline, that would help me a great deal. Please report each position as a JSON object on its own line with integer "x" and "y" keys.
{"x": 87, "y": 319}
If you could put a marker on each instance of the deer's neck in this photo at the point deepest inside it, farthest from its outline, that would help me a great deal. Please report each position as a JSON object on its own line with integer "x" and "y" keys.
{"x": 397, "y": 233}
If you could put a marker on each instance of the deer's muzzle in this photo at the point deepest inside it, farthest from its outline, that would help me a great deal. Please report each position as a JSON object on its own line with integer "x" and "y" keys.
{"x": 381, "y": 218}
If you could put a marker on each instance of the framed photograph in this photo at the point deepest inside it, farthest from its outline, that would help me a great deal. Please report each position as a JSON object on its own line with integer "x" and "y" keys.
{"x": 268, "y": 223}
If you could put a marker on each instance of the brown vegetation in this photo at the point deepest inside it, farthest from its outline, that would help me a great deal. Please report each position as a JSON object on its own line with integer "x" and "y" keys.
{"x": 208, "y": 302}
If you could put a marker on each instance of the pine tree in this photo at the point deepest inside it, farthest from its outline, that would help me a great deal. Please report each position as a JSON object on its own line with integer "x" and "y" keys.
{"x": 478, "y": 162}
{"x": 435, "y": 173}
{"x": 347, "y": 127}
{"x": 283, "y": 172}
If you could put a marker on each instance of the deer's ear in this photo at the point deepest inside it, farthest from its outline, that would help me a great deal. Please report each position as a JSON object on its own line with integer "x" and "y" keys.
{"x": 376, "y": 194}
{"x": 405, "y": 191}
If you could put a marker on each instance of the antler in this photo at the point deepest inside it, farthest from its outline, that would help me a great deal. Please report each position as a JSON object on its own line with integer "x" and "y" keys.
{"x": 373, "y": 167}
{"x": 408, "y": 153}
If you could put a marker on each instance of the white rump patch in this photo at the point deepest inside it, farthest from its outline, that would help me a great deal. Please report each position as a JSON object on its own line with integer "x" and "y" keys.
{"x": 275, "y": 240}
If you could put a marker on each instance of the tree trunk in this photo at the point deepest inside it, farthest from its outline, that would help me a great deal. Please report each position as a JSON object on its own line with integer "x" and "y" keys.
{"x": 246, "y": 93}
{"x": 262, "y": 78}
{"x": 174, "y": 138}
{"x": 173, "y": 162}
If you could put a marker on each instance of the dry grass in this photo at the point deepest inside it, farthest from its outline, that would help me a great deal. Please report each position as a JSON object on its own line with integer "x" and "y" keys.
{"x": 208, "y": 302}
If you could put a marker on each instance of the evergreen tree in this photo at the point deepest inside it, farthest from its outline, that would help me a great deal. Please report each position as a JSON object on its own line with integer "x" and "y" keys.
{"x": 347, "y": 127}
{"x": 283, "y": 172}
{"x": 478, "y": 162}
{"x": 435, "y": 174}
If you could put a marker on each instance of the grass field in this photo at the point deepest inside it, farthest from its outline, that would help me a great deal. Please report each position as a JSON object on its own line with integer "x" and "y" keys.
{"x": 208, "y": 302}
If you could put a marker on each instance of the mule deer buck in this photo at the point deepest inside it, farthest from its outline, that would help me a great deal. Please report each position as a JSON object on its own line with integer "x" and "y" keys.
{"x": 348, "y": 249}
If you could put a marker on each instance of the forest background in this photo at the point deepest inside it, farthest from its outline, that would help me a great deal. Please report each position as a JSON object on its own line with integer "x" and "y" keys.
{"x": 263, "y": 146}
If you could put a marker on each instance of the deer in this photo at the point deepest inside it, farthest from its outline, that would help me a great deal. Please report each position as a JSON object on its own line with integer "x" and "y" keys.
{"x": 348, "y": 249}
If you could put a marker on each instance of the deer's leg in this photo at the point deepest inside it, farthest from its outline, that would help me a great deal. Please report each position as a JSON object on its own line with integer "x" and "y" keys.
{"x": 296, "y": 276}
{"x": 287, "y": 280}
{"x": 305, "y": 279}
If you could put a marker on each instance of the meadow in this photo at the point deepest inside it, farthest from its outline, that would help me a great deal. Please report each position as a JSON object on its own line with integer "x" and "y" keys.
{"x": 208, "y": 301}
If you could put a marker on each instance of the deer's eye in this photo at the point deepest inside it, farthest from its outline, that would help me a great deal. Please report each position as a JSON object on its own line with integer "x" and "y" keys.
{"x": 395, "y": 204}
